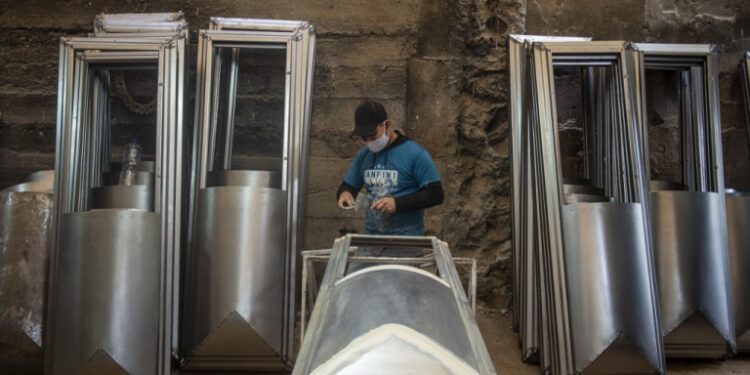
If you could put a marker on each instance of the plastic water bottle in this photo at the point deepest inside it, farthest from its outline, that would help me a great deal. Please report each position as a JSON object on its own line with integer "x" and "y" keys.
{"x": 131, "y": 157}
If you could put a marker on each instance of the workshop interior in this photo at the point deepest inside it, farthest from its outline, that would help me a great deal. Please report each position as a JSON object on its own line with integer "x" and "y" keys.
{"x": 441, "y": 187}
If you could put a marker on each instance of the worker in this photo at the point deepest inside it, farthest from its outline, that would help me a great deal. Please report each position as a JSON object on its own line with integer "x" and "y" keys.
{"x": 398, "y": 174}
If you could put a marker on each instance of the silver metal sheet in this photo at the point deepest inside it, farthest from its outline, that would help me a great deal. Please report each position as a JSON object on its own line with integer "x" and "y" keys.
{"x": 606, "y": 262}
{"x": 692, "y": 269}
{"x": 738, "y": 228}
{"x": 141, "y": 178}
{"x": 40, "y": 182}
{"x": 120, "y": 196}
{"x": 109, "y": 301}
{"x": 25, "y": 234}
{"x": 269, "y": 179}
{"x": 388, "y": 318}
{"x": 237, "y": 279}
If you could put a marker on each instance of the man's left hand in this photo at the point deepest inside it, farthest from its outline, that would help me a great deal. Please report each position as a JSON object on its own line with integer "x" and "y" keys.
{"x": 386, "y": 205}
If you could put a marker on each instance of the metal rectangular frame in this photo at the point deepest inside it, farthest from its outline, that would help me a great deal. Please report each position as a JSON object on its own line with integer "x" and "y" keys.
{"x": 298, "y": 38}
{"x": 525, "y": 311}
{"x": 703, "y": 165}
{"x": 78, "y": 145}
{"x": 625, "y": 157}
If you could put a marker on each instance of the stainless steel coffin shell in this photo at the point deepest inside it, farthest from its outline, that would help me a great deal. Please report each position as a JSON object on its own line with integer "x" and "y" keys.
{"x": 254, "y": 178}
{"x": 109, "y": 310}
{"x": 613, "y": 324}
{"x": 738, "y": 227}
{"x": 239, "y": 272}
{"x": 122, "y": 196}
{"x": 692, "y": 273}
{"x": 25, "y": 234}
{"x": 415, "y": 299}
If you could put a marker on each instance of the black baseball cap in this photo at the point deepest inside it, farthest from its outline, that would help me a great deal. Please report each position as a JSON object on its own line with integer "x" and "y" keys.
{"x": 367, "y": 117}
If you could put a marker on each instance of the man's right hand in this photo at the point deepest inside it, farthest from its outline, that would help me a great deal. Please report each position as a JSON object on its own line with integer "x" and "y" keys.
{"x": 346, "y": 200}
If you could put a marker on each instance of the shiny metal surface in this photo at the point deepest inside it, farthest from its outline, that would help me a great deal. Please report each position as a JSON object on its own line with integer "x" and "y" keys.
{"x": 141, "y": 178}
{"x": 605, "y": 246}
{"x": 120, "y": 196}
{"x": 25, "y": 235}
{"x": 244, "y": 178}
{"x": 525, "y": 281}
{"x": 738, "y": 228}
{"x": 238, "y": 281}
{"x": 109, "y": 311}
{"x": 379, "y": 309}
{"x": 582, "y": 198}
{"x": 47, "y": 175}
{"x": 143, "y": 166}
{"x": 692, "y": 271}
{"x": 40, "y": 182}
{"x": 690, "y": 226}
{"x": 82, "y": 153}
{"x": 297, "y": 38}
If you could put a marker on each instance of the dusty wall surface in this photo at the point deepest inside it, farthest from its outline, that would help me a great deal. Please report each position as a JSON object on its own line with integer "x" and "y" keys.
{"x": 439, "y": 66}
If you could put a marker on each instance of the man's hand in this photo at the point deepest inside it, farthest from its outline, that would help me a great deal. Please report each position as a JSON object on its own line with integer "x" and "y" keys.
{"x": 346, "y": 200}
{"x": 386, "y": 205}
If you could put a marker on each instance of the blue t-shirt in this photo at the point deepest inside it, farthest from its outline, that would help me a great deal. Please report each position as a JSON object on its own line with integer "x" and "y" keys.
{"x": 394, "y": 172}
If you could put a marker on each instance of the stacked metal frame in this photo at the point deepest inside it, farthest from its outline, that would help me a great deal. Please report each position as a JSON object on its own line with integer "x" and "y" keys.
{"x": 25, "y": 231}
{"x": 738, "y": 220}
{"x": 245, "y": 224}
{"x": 690, "y": 227}
{"x": 114, "y": 271}
{"x": 392, "y": 318}
{"x": 525, "y": 288}
{"x": 597, "y": 309}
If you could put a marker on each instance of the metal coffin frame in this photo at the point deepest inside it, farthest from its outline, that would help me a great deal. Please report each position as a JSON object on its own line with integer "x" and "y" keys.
{"x": 561, "y": 353}
{"x": 298, "y": 39}
{"x": 525, "y": 289}
{"x": 79, "y": 153}
{"x": 704, "y": 205}
{"x": 738, "y": 219}
{"x": 333, "y": 283}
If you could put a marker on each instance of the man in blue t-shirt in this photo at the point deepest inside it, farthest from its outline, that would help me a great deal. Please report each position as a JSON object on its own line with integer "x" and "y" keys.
{"x": 398, "y": 174}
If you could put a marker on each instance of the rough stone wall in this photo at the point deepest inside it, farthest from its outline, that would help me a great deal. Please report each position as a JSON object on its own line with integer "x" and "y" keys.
{"x": 439, "y": 66}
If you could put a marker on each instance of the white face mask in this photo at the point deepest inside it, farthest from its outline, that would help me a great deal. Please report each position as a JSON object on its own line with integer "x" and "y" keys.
{"x": 378, "y": 144}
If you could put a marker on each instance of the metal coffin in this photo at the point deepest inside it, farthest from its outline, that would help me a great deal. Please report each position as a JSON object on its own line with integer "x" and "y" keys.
{"x": 690, "y": 227}
{"x": 108, "y": 310}
{"x": 738, "y": 222}
{"x": 246, "y": 195}
{"x": 694, "y": 294}
{"x": 113, "y": 272}
{"x": 25, "y": 234}
{"x": 392, "y": 318}
{"x": 237, "y": 281}
{"x": 605, "y": 246}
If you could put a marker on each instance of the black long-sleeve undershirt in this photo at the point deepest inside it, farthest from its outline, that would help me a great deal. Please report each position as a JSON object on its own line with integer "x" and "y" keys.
{"x": 430, "y": 195}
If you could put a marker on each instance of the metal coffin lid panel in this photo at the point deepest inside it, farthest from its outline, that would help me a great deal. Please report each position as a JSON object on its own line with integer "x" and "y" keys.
{"x": 394, "y": 348}
{"x": 606, "y": 261}
{"x": 738, "y": 223}
{"x": 108, "y": 296}
{"x": 238, "y": 269}
{"x": 380, "y": 295}
{"x": 691, "y": 259}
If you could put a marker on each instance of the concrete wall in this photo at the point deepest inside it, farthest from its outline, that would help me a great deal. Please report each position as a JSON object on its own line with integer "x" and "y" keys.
{"x": 439, "y": 66}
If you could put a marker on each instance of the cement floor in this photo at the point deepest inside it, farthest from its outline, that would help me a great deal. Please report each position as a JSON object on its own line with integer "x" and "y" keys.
{"x": 502, "y": 344}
